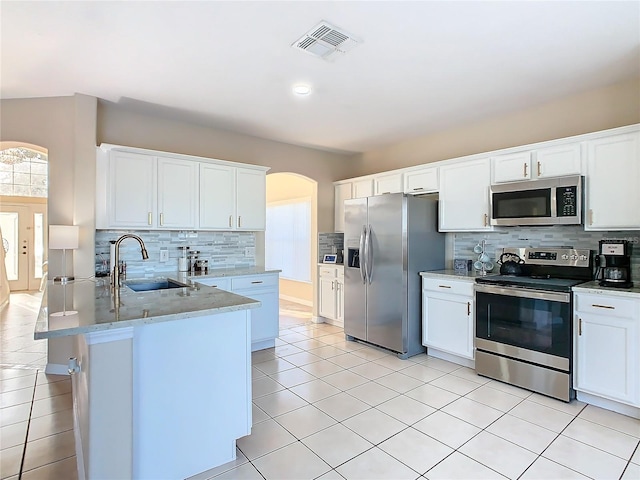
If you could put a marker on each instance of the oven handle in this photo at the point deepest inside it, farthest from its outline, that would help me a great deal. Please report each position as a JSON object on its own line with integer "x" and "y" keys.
{"x": 524, "y": 293}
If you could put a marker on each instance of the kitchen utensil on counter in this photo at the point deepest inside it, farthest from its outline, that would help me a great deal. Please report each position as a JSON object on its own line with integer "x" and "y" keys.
{"x": 511, "y": 264}
{"x": 183, "y": 262}
{"x": 483, "y": 264}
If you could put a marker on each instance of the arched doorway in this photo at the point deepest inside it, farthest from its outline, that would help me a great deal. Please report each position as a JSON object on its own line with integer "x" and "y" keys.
{"x": 23, "y": 214}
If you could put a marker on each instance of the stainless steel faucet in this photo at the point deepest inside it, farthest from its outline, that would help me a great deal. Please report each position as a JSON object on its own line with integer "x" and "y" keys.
{"x": 115, "y": 275}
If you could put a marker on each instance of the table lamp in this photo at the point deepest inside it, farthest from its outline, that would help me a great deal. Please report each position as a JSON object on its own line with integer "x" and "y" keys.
{"x": 63, "y": 237}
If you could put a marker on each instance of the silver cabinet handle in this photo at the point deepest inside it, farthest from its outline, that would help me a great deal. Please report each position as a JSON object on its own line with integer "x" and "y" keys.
{"x": 161, "y": 219}
{"x": 539, "y": 169}
{"x": 239, "y": 221}
{"x": 468, "y": 308}
{"x": 486, "y": 218}
{"x": 230, "y": 220}
{"x": 590, "y": 216}
{"x": 579, "y": 326}
{"x": 444, "y": 286}
{"x": 257, "y": 281}
{"x": 418, "y": 188}
{"x": 525, "y": 170}
{"x": 609, "y": 307}
{"x": 150, "y": 218}
{"x": 332, "y": 284}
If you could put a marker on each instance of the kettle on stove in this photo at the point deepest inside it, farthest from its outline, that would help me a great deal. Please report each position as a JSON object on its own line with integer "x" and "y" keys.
{"x": 511, "y": 264}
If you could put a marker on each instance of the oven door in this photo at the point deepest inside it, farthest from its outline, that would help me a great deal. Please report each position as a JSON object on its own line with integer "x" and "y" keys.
{"x": 522, "y": 321}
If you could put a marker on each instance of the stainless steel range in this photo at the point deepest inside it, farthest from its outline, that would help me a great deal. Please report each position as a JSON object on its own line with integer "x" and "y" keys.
{"x": 524, "y": 321}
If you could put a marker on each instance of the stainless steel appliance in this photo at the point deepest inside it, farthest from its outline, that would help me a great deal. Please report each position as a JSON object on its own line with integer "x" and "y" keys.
{"x": 524, "y": 323}
{"x": 556, "y": 201}
{"x": 389, "y": 239}
{"x": 614, "y": 263}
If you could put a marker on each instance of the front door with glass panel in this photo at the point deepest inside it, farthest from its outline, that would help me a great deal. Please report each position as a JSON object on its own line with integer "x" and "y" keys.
{"x": 23, "y": 228}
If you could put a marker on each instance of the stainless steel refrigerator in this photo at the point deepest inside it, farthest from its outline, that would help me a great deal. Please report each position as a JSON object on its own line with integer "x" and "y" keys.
{"x": 388, "y": 240}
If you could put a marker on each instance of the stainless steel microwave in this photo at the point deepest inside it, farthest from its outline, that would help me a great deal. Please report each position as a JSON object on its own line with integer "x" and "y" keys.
{"x": 554, "y": 201}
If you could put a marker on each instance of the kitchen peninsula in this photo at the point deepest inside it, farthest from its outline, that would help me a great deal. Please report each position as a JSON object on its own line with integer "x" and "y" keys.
{"x": 162, "y": 384}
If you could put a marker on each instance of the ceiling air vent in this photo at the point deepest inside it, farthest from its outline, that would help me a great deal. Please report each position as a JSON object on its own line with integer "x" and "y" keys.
{"x": 325, "y": 41}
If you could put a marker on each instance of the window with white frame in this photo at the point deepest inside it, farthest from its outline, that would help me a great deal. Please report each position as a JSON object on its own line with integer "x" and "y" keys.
{"x": 288, "y": 239}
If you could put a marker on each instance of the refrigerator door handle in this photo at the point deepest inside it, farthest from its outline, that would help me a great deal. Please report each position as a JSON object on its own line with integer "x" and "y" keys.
{"x": 361, "y": 253}
{"x": 368, "y": 253}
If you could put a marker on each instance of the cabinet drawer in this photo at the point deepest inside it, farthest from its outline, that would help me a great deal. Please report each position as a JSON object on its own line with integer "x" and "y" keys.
{"x": 603, "y": 305}
{"x": 448, "y": 286}
{"x": 221, "y": 283}
{"x": 328, "y": 272}
{"x": 254, "y": 281}
{"x": 340, "y": 272}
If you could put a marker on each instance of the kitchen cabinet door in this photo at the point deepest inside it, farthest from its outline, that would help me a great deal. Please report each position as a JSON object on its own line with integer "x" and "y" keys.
{"x": 131, "y": 190}
{"x": 327, "y": 298}
{"x": 340, "y": 300}
{"x": 217, "y": 196}
{"x": 342, "y": 193}
{"x": 177, "y": 194}
{"x": 512, "y": 167}
{"x": 612, "y": 196}
{"x": 265, "y": 319}
{"x": 447, "y": 323}
{"x": 464, "y": 196}
{"x": 421, "y": 181}
{"x": 557, "y": 161}
{"x": 250, "y": 199}
{"x": 362, "y": 188}
{"x": 388, "y": 184}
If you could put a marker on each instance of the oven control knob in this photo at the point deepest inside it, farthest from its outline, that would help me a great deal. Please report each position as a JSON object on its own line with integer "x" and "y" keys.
{"x": 574, "y": 257}
{"x": 565, "y": 256}
{"x": 583, "y": 257}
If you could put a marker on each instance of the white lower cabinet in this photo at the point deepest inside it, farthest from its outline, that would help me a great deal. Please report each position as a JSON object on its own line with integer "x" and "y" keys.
{"x": 331, "y": 294}
{"x": 448, "y": 316}
{"x": 264, "y": 288}
{"x": 607, "y": 347}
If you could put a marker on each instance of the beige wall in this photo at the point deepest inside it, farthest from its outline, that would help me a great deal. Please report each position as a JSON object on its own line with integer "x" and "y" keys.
{"x": 287, "y": 186}
{"x": 601, "y": 109}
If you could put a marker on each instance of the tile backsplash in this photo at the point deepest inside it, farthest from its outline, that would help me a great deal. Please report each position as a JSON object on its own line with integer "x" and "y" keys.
{"x": 550, "y": 236}
{"x": 327, "y": 241}
{"x": 221, "y": 249}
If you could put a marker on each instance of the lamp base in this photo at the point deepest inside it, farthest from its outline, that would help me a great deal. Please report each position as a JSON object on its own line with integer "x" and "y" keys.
{"x": 66, "y": 313}
{"x": 63, "y": 280}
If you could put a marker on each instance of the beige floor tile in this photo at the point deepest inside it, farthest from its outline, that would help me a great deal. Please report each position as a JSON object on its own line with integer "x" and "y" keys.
{"x": 473, "y": 412}
{"x": 50, "y": 405}
{"x": 314, "y": 390}
{"x": 292, "y": 462}
{"x": 455, "y": 384}
{"x": 433, "y": 396}
{"x": 263, "y": 355}
{"x": 322, "y": 368}
{"x": 598, "y": 436}
{"x": 406, "y": 409}
{"x": 256, "y": 374}
{"x": 371, "y": 370}
{"x": 13, "y": 435}
{"x": 265, "y": 437}
{"x": 636, "y": 456}
{"x": 17, "y": 383}
{"x": 584, "y": 459}
{"x": 258, "y": 414}
{"x": 394, "y": 363}
{"x": 370, "y": 353}
{"x": 272, "y": 366}
{"x": 50, "y": 378}
{"x": 423, "y": 373}
{"x": 305, "y": 421}
{"x": 309, "y": 344}
{"x": 15, "y": 414}
{"x": 440, "y": 364}
{"x": 332, "y": 339}
{"x": 294, "y": 337}
{"x": 458, "y": 466}
{"x": 331, "y": 475}
{"x": 336, "y": 444}
{"x": 546, "y": 417}
{"x": 494, "y": 398}
{"x": 49, "y": 449}
{"x": 16, "y": 397}
{"x": 632, "y": 472}
{"x": 341, "y": 406}
{"x": 470, "y": 374}
{"x": 264, "y": 386}
{"x": 544, "y": 468}
{"x": 376, "y": 464}
{"x": 372, "y": 393}
{"x": 349, "y": 345}
{"x": 345, "y": 380}
{"x": 50, "y": 424}
{"x": 66, "y": 469}
{"x": 286, "y": 350}
{"x": 46, "y": 390}
{"x": 302, "y": 358}
{"x": 10, "y": 459}
{"x": 327, "y": 351}
{"x": 244, "y": 472}
{"x": 511, "y": 389}
{"x": 240, "y": 460}
{"x": 498, "y": 454}
{"x": 622, "y": 423}
{"x": 293, "y": 377}
{"x": 374, "y": 426}
{"x": 574, "y": 407}
{"x": 279, "y": 403}
{"x": 523, "y": 433}
{"x": 347, "y": 360}
{"x": 415, "y": 449}
{"x": 399, "y": 382}
{"x": 447, "y": 429}
{"x": 7, "y": 372}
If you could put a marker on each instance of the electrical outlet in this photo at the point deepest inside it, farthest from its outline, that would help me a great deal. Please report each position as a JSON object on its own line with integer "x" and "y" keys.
{"x": 250, "y": 251}
{"x": 164, "y": 255}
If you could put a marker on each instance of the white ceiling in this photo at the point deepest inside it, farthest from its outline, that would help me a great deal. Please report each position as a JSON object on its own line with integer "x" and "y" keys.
{"x": 422, "y": 66}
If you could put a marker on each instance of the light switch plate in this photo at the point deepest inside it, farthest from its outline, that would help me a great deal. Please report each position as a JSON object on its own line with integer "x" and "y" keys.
{"x": 250, "y": 251}
{"x": 164, "y": 255}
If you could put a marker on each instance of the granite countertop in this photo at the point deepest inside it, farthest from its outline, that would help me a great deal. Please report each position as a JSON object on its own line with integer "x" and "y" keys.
{"x": 226, "y": 272}
{"x": 594, "y": 287}
{"x": 99, "y": 310}
{"x": 452, "y": 274}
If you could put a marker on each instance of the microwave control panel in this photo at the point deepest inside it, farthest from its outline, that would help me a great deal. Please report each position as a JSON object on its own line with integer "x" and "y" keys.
{"x": 567, "y": 201}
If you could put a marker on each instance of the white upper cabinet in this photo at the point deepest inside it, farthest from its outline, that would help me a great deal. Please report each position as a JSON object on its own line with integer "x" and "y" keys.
{"x": 424, "y": 180}
{"x": 391, "y": 183}
{"x": 250, "y": 199}
{"x": 612, "y": 192}
{"x": 177, "y": 193}
{"x": 556, "y": 161}
{"x": 342, "y": 192}
{"x": 362, "y": 188}
{"x": 217, "y": 196}
{"x": 464, "y": 196}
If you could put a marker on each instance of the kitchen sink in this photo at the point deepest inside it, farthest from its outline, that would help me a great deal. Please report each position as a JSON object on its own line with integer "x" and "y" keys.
{"x": 149, "y": 285}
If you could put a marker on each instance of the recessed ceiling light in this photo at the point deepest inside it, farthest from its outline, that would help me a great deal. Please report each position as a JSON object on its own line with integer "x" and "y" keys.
{"x": 302, "y": 89}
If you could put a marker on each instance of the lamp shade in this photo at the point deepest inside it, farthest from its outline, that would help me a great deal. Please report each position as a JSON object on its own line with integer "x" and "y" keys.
{"x": 64, "y": 237}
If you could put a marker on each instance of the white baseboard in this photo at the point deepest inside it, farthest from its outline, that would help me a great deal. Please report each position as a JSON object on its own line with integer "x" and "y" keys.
{"x": 607, "y": 404}
{"x": 301, "y": 301}
{"x": 56, "y": 369}
{"x": 451, "y": 358}
{"x": 318, "y": 319}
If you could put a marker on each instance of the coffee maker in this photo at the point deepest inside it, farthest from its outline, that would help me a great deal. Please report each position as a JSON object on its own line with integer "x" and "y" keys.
{"x": 614, "y": 264}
